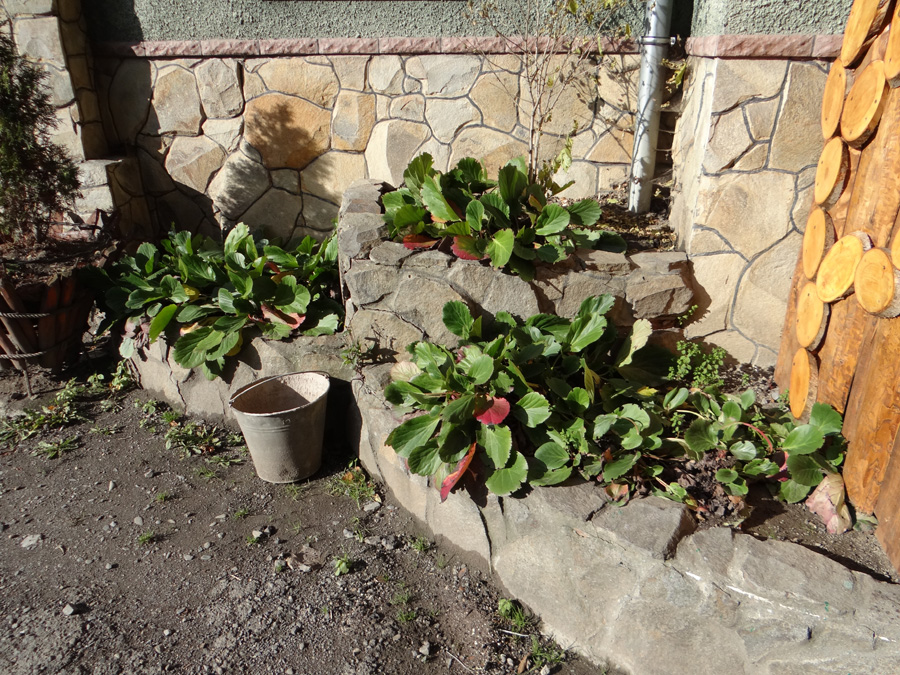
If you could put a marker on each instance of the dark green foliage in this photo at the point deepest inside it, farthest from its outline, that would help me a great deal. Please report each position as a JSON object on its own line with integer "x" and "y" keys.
{"x": 37, "y": 179}
{"x": 216, "y": 292}
{"x": 507, "y": 221}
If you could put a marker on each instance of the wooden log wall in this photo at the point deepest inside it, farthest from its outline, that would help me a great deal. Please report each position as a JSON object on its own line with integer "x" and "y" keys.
{"x": 841, "y": 339}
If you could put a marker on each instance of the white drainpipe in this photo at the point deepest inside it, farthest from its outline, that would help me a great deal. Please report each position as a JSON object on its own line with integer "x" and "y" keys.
{"x": 654, "y": 46}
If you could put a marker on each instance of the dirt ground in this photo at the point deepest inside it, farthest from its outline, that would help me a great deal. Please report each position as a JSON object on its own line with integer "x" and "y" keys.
{"x": 120, "y": 555}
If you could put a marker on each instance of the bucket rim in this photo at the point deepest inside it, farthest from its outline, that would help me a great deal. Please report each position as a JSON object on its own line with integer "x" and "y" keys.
{"x": 269, "y": 378}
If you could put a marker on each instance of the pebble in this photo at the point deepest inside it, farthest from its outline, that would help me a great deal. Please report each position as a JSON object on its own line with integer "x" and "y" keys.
{"x": 372, "y": 507}
{"x": 205, "y": 557}
{"x": 138, "y": 521}
{"x": 348, "y": 534}
{"x": 112, "y": 486}
{"x": 167, "y": 632}
{"x": 545, "y": 670}
{"x": 111, "y": 566}
{"x": 150, "y": 474}
{"x": 188, "y": 556}
{"x": 425, "y": 649}
{"x": 70, "y": 609}
{"x": 31, "y": 540}
{"x": 390, "y": 542}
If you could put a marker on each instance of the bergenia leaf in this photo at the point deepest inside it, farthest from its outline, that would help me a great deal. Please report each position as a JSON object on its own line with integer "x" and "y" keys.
{"x": 433, "y": 198}
{"x": 475, "y": 215}
{"x": 412, "y": 433}
{"x": 803, "y": 440}
{"x": 497, "y": 443}
{"x": 451, "y": 480}
{"x": 404, "y": 371}
{"x": 491, "y": 409}
{"x": 500, "y": 248}
{"x": 532, "y": 409}
{"x": 161, "y": 320}
{"x": 827, "y": 501}
{"x": 458, "y": 319}
{"x": 584, "y": 213}
{"x": 640, "y": 333}
{"x": 504, "y": 481}
{"x": 553, "y": 219}
{"x": 467, "y": 248}
{"x": 416, "y": 241}
{"x": 826, "y": 419}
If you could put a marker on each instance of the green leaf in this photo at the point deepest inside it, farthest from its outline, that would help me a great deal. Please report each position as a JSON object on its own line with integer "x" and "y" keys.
{"x": 418, "y": 169}
{"x": 475, "y": 215}
{"x": 803, "y": 440}
{"x": 743, "y": 450}
{"x": 457, "y": 318}
{"x": 748, "y": 398}
{"x": 701, "y": 436}
{"x": 578, "y": 399}
{"x": 640, "y": 333}
{"x": 187, "y": 352}
{"x": 511, "y": 183}
{"x": 161, "y": 320}
{"x": 635, "y": 413}
{"x": 235, "y": 238}
{"x": 585, "y": 213}
{"x": 761, "y": 467}
{"x": 826, "y": 419}
{"x": 553, "y": 219}
{"x": 792, "y": 492}
{"x": 731, "y": 413}
{"x": 504, "y": 481}
{"x": 172, "y": 289}
{"x": 804, "y": 469}
{"x": 584, "y": 331}
{"x": 425, "y": 459}
{"x": 552, "y": 455}
{"x": 460, "y": 410}
{"x": 619, "y": 467}
{"x": 434, "y": 201}
{"x": 532, "y": 409}
{"x": 553, "y": 477}
{"x": 412, "y": 434}
{"x": 481, "y": 369}
{"x": 497, "y": 443}
{"x": 675, "y": 398}
{"x": 408, "y": 215}
{"x": 726, "y": 475}
{"x": 190, "y": 313}
{"x": 500, "y": 248}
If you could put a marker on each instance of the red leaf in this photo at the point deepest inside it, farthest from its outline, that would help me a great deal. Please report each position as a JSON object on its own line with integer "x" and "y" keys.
{"x": 414, "y": 241}
{"x": 491, "y": 410}
{"x": 465, "y": 248}
{"x": 451, "y": 480}
{"x": 273, "y": 314}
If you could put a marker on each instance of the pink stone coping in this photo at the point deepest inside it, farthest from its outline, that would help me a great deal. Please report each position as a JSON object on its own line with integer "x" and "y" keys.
{"x": 713, "y": 46}
{"x": 765, "y": 46}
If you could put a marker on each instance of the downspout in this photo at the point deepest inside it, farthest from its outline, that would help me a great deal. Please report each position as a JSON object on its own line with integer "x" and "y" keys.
{"x": 654, "y": 46}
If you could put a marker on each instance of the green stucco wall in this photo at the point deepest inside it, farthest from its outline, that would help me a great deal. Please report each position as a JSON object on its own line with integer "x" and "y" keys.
{"x": 131, "y": 20}
{"x": 774, "y": 17}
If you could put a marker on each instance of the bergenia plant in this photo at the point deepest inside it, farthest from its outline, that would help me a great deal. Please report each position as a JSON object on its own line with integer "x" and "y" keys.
{"x": 512, "y": 406}
{"x": 507, "y": 221}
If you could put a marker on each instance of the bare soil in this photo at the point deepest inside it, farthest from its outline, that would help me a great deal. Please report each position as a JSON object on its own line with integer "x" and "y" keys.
{"x": 123, "y": 556}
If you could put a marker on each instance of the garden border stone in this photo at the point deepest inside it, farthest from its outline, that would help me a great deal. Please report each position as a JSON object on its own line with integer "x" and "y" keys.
{"x": 634, "y": 586}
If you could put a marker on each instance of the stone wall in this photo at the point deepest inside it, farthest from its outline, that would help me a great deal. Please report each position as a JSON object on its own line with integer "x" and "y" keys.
{"x": 53, "y": 34}
{"x": 274, "y": 142}
{"x": 746, "y": 149}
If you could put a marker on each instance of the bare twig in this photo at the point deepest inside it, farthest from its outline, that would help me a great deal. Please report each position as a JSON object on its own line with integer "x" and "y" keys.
{"x": 456, "y": 658}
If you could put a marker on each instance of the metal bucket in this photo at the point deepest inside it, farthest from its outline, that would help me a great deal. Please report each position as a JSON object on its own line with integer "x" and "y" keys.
{"x": 283, "y": 421}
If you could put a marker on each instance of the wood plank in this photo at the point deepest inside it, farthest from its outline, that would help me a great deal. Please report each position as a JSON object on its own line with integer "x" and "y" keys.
{"x": 789, "y": 342}
{"x": 888, "y": 508}
{"x": 840, "y": 351}
{"x": 872, "y": 418}
{"x": 47, "y": 325}
{"x": 875, "y": 199}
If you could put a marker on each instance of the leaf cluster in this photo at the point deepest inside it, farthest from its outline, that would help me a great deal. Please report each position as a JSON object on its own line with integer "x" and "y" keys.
{"x": 507, "y": 221}
{"x": 37, "y": 178}
{"x": 752, "y": 443}
{"x": 533, "y": 402}
{"x": 515, "y": 400}
{"x": 216, "y": 292}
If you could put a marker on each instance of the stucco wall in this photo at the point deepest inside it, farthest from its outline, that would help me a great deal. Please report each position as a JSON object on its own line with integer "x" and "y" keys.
{"x": 258, "y": 19}
{"x": 773, "y": 17}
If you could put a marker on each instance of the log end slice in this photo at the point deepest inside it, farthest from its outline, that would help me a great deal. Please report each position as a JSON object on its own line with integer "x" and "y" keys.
{"x": 833, "y": 99}
{"x": 812, "y": 317}
{"x": 892, "y": 53}
{"x": 838, "y": 269}
{"x": 804, "y": 384}
{"x": 832, "y": 173}
{"x": 864, "y": 23}
{"x": 817, "y": 238}
{"x": 864, "y": 105}
{"x": 876, "y": 284}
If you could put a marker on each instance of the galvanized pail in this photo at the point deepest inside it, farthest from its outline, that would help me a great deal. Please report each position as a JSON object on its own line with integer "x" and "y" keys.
{"x": 283, "y": 421}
